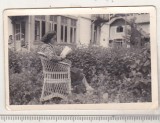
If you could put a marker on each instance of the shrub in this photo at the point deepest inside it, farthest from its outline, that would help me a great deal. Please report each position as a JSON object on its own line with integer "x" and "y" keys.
{"x": 122, "y": 69}
{"x": 123, "y": 74}
{"x": 24, "y": 87}
{"x": 13, "y": 62}
{"x": 25, "y": 77}
{"x": 24, "y": 61}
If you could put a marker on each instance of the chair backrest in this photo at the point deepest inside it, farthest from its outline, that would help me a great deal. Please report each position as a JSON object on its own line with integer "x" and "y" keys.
{"x": 52, "y": 66}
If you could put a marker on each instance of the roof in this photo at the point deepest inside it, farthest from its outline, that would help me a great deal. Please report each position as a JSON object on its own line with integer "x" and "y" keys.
{"x": 143, "y": 18}
{"x": 116, "y": 18}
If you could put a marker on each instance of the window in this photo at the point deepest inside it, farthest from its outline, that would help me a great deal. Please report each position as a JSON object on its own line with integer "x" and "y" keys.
{"x": 62, "y": 33}
{"x": 17, "y": 30}
{"x": 95, "y": 35}
{"x": 64, "y": 20}
{"x": 118, "y": 43}
{"x": 53, "y": 18}
{"x": 74, "y": 34}
{"x": 73, "y": 22}
{"x": 67, "y": 31}
{"x": 119, "y": 29}
{"x": 64, "y": 29}
{"x": 23, "y": 29}
{"x": 37, "y": 30}
{"x": 40, "y": 17}
{"x": 65, "y": 34}
{"x": 43, "y": 28}
{"x": 23, "y": 33}
{"x": 110, "y": 41}
{"x": 40, "y": 27}
{"x": 73, "y": 31}
{"x": 55, "y": 27}
{"x": 53, "y": 23}
{"x": 20, "y": 30}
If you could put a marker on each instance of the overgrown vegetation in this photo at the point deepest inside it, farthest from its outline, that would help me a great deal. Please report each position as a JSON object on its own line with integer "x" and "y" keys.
{"x": 117, "y": 76}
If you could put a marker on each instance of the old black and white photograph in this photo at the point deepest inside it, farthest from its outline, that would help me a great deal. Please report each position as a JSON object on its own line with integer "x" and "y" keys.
{"x": 80, "y": 58}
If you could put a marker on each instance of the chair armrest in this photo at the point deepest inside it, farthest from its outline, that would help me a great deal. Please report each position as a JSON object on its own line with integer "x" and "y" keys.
{"x": 64, "y": 63}
{"x": 42, "y": 54}
{"x": 60, "y": 62}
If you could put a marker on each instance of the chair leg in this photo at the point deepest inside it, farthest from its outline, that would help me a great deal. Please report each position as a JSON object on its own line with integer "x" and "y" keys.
{"x": 70, "y": 88}
{"x": 43, "y": 89}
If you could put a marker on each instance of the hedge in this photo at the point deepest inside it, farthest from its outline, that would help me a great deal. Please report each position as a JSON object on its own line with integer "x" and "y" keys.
{"x": 117, "y": 75}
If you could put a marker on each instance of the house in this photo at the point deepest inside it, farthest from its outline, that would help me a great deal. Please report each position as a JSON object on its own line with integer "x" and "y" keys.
{"x": 119, "y": 28}
{"x": 112, "y": 30}
{"x": 27, "y": 31}
{"x": 105, "y": 30}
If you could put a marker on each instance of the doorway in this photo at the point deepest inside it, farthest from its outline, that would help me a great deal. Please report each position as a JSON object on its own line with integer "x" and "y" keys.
{"x": 19, "y": 35}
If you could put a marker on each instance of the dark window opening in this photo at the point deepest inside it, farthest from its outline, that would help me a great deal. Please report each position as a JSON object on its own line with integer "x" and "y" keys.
{"x": 23, "y": 33}
{"x": 118, "y": 43}
{"x": 37, "y": 30}
{"x": 62, "y": 33}
{"x": 55, "y": 27}
{"x": 17, "y": 30}
{"x": 110, "y": 41}
{"x": 65, "y": 34}
{"x": 71, "y": 34}
{"x": 120, "y": 29}
{"x": 43, "y": 28}
{"x": 74, "y": 34}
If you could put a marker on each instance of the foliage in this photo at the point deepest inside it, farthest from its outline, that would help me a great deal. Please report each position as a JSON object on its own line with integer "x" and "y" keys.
{"x": 135, "y": 34}
{"x": 25, "y": 77}
{"x": 125, "y": 70}
{"x": 24, "y": 61}
{"x": 24, "y": 87}
{"x": 117, "y": 75}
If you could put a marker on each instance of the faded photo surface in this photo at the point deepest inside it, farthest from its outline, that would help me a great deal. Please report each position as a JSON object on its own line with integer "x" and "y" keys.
{"x": 106, "y": 59}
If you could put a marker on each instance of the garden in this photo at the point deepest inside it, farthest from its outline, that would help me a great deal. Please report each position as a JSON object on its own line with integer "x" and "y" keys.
{"x": 118, "y": 75}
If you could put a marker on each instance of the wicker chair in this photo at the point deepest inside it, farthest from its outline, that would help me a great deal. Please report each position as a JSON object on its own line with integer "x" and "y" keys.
{"x": 57, "y": 80}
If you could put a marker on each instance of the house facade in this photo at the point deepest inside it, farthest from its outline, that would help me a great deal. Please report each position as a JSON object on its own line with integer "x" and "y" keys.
{"x": 27, "y": 31}
{"x": 76, "y": 30}
{"x": 119, "y": 29}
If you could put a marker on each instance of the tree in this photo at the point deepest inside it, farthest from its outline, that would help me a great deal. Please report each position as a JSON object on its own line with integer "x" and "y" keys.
{"x": 134, "y": 36}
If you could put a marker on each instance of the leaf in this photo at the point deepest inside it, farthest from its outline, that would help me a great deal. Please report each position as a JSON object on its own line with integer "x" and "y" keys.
{"x": 147, "y": 63}
{"x": 133, "y": 72}
{"x": 133, "y": 66}
{"x": 138, "y": 61}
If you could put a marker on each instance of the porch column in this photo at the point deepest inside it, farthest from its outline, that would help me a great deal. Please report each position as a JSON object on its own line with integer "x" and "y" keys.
{"x": 58, "y": 29}
{"x": 29, "y": 36}
{"x": 92, "y": 33}
{"x": 31, "y": 33}
{"x": 98, "y": 35}
{"x": 68, "y": 31}
{"x": 77, "y": 41}
{"x": 47, "y": 19}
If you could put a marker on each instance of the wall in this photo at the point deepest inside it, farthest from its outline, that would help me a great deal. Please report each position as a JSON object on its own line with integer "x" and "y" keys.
{"x": 113, "y": 27}
{"x": 104, "y": 37}
{"x": 145, "y": 27}
{"x": 114, "y": 34}
{"x": 84, "y": 25}
{"x": 10, "y": 27}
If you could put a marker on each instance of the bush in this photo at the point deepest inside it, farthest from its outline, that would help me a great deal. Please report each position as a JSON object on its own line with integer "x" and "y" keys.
{"x": 127, "y": 71}
{"x": 25, "y": 77}
{"x": 124, "y": 75}
{"x": 24, "y": 61}
{"x": 24, "y": 87}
